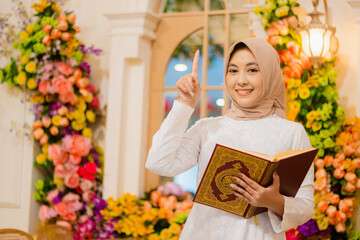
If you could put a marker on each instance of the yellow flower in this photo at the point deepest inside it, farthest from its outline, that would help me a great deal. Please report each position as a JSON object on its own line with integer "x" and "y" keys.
{"x": 174, "y": 228}
{"x": 79, "y": 116}
{"x": 175, "y": 238}
{"x": 30, "y": 67}
{"x": 41, "y": 158}
{"x": 316, "y": 126}
{"x": 257, "y": 10}
{"x": 70, "y": 115}
{"x": 23, "y": 36}
{"x": 45, "y": 148}
{"x": 311, "y": 115}
{"x": 309, "y": 124}
{"x": 90, "y": 115}
{"x": 24, "y": 59}
{"x": 150, "y": 214}
{"x": 86, "y": 132}
{"x": 282, "y": 2}
{"x": 30, "y": 28}
{"x": 89, "y": 98}
{"x": 58, "y": 181}
{"x": 349, "y": 165}
{"x": 56, "y": 7}
{"x": 81, "y": 105}
{"x": 165, "y": 234}
{"x": 344, "y": 138}
{"x": 297, "y": 82}
{"x": 154, "y": 236}
{"x": 304, "y": 92}
{"x": 77, "y": 126}
{"x": 37, "y": 98}
{"x": 56, "y": 120}
{"x": 21, "y": 78}
{"x": 31, "y": 83}
{"x": 295, "y": 106}
{"x": 41, "y": 6}
{"x": 282, "y": 11}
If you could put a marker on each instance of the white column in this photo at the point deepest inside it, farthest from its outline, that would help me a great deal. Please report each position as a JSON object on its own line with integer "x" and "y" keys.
{"x": 256, "y": 26}
{"x": 355, "y": 4}
{"x": 125, "y": 150}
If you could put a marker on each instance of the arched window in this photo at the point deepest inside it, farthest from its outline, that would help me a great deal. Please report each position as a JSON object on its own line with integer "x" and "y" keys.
{"x": 187, "y": 25}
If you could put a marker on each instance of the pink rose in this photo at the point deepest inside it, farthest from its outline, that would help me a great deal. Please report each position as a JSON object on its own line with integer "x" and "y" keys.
{"x": 70, "y": 197}
{"x": 64, "y": 68}
{"x": 271, "y": 31}
{"x": 61, "y": 160}
{"x": 55, "y": 151}
{"x": 64, "y": 224}
{"x": 77, "y": 145}
{"x": 70, "y": 216}
{"x": 43, "y": 87}
{"x": 44, "y": 213}
{"x": 87, "y": 196}
{"x": 52, "y": 194}
{"x": 68, "y": 97}
{"x": 75, "y": 159}
{"x": 62, "y": 85}
{"x": 61, "y": 208}
{"x": 91, "y": 88}
{"x": 73, "y": 207}
{"x": 80, "y": 145}
{"x": 72, "y": 180}
{"x": 59, "y": 171}
{"x": 71, "y": 167}
{"x": 293, "y": 21}
{"x": 86, "y": 185}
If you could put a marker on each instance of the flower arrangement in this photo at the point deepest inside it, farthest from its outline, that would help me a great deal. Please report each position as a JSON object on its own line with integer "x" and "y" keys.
{"x": 52, "y": 65}
{"x": 159, "y": 216}
{"x": 312, "y": 100}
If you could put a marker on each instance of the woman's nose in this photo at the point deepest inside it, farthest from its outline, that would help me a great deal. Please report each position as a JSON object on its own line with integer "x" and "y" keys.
{"x": 242, "y": 80}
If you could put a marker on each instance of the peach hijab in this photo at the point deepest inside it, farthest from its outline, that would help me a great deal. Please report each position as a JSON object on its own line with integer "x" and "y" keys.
{"x": 273, "y": 96}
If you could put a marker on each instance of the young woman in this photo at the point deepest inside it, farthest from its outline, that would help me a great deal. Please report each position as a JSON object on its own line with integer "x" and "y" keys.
{"x": 257, "y": 122}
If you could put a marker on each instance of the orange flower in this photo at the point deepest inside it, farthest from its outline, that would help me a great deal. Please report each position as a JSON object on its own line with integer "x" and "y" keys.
{"x": 46, "y": 28}
{"x": 54, "y": 130}
{"x": 55, "y": 33}
{"x": 46, "y": 121}
{"x": 339, "y": 173}
{"x": 63, "y": 26}
{"x": 320, "y": 184}
{"x": 322, "y": 206}
{"x": 65, "y": 36}
{"x": 64, "y": 122}
{"x": 155, "y": 197}
{"x": 338, "y": 162}
{"x": 328, "y": 161}
{"x": 82, "y": 82}
{"x": 350, "y": 177}
{"x": 331, "y": 211}
{"x": 340, "y": 227}
{"x": 38, "y": 124}
{"x": 334, "y": 198}
{"x": 356, "y": 161}
{"x": 358, "y": 183}
{"x": 332, "y": 220}
{"x": 71, "y": 18}
{"x": 320, "y": 173}
{"x": 319, "y": 163}
{"x": 38, "y": 133}
{"x": 350, "y": 187}
{"x": 341, "y": 216}
{"x": 46, "y": 40}
{"x": 349, "y": 201}
{"x": 44, "y": 139}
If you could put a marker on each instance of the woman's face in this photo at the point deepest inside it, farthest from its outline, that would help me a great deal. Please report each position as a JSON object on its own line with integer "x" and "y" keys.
{"x": 243, "y": 78}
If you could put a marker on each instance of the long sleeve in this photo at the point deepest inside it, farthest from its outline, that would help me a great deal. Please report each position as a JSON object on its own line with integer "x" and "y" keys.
{"x": 299, "y": 209}
{"x": 173, "y": 151}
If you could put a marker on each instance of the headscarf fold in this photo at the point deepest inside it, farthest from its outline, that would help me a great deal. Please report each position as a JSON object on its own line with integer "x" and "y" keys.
{"x": 273, "y": 95}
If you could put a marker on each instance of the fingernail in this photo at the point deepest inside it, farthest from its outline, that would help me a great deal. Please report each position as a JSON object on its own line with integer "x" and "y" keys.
{"x": 232, "y": 185}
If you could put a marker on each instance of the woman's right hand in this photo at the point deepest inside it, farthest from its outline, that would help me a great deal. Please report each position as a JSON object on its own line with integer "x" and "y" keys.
{"x": 188, "y": 86}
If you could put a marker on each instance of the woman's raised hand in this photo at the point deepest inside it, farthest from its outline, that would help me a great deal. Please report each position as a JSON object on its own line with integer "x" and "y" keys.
{"x": 188, "y": 86}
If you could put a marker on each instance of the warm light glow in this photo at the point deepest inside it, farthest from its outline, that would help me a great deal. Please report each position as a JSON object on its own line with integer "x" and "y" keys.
{"x": 316, "y": 42}
{"x": 220, "y": 102}
{"x": 180, "y": 67}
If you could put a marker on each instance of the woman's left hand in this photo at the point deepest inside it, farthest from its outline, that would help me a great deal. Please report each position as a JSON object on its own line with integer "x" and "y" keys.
{"x": 259, "y": 196}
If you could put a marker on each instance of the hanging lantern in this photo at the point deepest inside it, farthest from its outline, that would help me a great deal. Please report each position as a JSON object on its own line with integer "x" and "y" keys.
{"x": 318, "y": 40}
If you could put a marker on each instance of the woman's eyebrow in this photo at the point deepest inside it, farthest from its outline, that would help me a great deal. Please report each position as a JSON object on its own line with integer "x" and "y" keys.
{"x": 252, "y": 63}
{"x": 232, "y": 65}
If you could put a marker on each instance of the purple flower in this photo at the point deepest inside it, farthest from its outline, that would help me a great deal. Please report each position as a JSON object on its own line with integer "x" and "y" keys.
{"x": 57, "y": 199}
{"x": 86, "y": 67}
{"x": 308, "y": 229}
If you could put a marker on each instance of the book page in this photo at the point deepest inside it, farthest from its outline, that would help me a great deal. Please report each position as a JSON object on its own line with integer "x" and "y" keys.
{"x": 285, "y": 154}
{"x": 257, "y": 154}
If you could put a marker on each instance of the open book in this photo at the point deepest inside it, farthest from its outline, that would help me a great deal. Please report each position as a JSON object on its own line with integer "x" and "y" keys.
{"x": 226, "y": 162}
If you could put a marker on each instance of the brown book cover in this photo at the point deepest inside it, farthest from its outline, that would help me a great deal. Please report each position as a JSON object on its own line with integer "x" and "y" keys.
{"x": 226, "y": 162}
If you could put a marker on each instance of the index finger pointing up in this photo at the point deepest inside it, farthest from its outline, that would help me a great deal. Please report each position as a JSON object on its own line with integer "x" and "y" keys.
{"x": 195, "y": 67}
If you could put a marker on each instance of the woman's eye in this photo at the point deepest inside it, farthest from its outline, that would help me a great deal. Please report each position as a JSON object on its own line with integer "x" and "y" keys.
{"x": 232, "y": 70}
{"x": 253, "y": 70}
